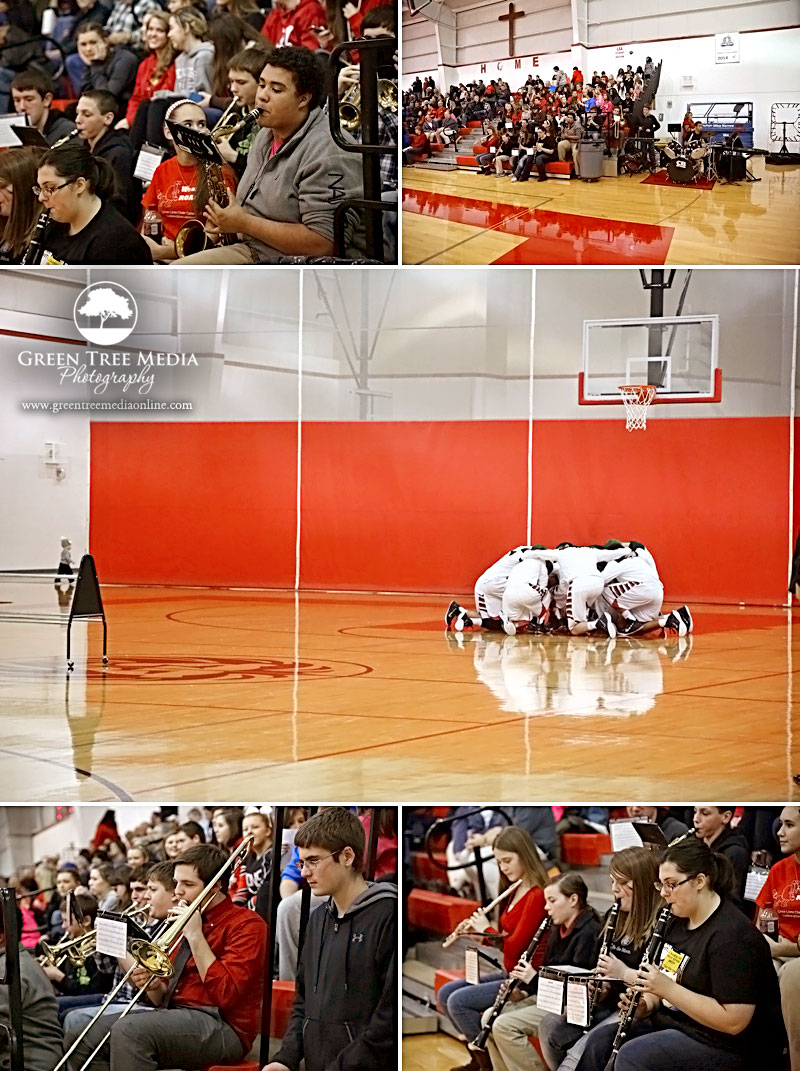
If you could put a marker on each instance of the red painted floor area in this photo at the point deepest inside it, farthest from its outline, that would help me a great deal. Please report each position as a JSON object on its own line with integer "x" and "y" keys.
{"x": 550, "y": 237}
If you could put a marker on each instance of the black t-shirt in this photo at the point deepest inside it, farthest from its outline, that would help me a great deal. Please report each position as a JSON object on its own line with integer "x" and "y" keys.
{"x": 106, "y": 239}
{"x": 733, "y": 845}
{"x": 624, "y": 949}
{"x": 728, "y": 959}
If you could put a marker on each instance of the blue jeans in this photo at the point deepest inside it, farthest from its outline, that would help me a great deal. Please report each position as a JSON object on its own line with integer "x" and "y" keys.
{"x": 650, "y": 1048}
{"x": 7, "y": 76}
{"x": 76, "y": 69}
{"x": 523, "y": 169}
{"x": 464, "y": 1003}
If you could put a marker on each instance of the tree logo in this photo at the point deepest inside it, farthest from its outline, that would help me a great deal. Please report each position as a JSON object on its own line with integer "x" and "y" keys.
{"x": 105, "y": 313}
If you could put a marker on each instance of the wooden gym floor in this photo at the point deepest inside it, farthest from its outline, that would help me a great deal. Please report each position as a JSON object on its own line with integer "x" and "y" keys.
{"x": 461, "y": 217}
{"x": 251, "y": 694}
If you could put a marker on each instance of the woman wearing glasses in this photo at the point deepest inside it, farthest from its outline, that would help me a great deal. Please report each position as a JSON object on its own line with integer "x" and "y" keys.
{"x": 712, "y": 1002}
{"x": 634, "y": 872}
{"x": 76, "y": 188}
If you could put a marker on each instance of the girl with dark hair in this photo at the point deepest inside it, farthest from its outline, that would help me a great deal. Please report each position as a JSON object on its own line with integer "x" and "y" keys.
{"x": 226, "y": 823}
{"x": 18, "y": 207}
{"x": 572, "y": 940}
{"x": 711, "y": 1000}
{"x": 247, "y": 10}
{"x": 76, "y": 188}
{"x": 518, "y": 860}
{"x": 634, "y": 872}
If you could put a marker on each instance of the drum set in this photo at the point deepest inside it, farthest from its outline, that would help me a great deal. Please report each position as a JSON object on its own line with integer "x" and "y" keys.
{"x": 683, "y": 162}
{"x": 686, "y": 164}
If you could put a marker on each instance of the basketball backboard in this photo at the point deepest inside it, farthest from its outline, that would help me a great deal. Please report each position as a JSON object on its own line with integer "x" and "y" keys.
{"x": 675, "y": 354}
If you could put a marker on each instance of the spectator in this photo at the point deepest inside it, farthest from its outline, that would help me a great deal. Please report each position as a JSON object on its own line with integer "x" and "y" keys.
{"x": 106, "y": 67}
{"x": 296, "y": 23}
{"x": 157, "y": 70}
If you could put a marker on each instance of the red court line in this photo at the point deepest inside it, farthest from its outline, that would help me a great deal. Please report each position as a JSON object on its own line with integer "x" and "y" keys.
{"x": 550, "y": 237}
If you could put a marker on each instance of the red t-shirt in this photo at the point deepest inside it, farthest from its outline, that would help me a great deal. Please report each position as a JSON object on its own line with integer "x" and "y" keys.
{"x": 293, "y": 27}
{"x": 782, "y": 894}
{"x": 171, "y": 193}
{"x": 145, "y": 88}
{"x": 519, "y": 923}
{"x": 234, "y": 982}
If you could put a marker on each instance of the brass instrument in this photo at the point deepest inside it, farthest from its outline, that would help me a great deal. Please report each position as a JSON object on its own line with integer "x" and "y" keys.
{"x": 350, "y": 104}
{"x": 462, "y": 927}
{"x": 478, "y": 1043}
{"x": 78, "y": 949}
{"x": 192, "y": 237}
{"x": 154, "y": 955}
{"x": 650, "y": 955}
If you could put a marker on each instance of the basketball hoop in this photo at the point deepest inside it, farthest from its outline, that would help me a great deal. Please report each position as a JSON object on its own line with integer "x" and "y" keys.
{"x": 636, "y": 401}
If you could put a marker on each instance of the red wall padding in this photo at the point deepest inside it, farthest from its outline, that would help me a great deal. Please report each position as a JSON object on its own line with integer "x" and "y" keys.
{"x": 708, "y": 497}
{"x": 410, "y": 506}
{"x": 426, "y": 506}
{"x": 194, "y": 503}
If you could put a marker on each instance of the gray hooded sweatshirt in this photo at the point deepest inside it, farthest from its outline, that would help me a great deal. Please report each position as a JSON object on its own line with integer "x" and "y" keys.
{"x": 193, "y": 70}
{"x": 302, "y": 183}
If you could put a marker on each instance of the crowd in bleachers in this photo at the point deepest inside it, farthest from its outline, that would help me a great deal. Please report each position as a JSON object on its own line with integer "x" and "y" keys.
{"x": 142, "y": 873}
{"x": 724, "y": 990}
{"x": 97, "y": 81}
{"x": 548, "y": 117}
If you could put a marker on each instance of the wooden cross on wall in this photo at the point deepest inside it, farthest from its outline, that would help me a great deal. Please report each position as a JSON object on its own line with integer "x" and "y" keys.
{"x": 509, "y": 18}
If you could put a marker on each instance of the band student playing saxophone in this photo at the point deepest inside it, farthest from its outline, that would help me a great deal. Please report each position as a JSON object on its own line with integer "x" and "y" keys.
{"x": 295, "y": 175}
{"x": 209, "y": 1010}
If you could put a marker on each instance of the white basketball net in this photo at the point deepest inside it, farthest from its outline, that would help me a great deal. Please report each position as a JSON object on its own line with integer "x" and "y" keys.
{"x": 636, "y": 401}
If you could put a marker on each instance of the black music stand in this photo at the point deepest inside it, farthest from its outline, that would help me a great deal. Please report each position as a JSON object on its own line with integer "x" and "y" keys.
{"x": 200, "y": 144}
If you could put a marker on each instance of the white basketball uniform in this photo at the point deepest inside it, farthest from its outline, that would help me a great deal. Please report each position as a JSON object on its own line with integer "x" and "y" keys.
{"x": 526, "y": 591}
{"x": 580, "y": 581}
{"x": 491, "y": 584}
{"x": 633, "y": 585}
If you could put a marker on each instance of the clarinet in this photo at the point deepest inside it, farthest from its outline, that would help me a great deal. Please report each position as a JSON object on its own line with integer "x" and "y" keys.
{"x": 33, "y": 253}
{"x": 507, "y": 988}
{"x": 608, "y": 935}
{"x": 651, "y": 953}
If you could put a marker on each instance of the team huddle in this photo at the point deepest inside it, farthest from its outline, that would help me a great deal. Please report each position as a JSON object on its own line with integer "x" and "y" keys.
{"x": 614, "y": 590}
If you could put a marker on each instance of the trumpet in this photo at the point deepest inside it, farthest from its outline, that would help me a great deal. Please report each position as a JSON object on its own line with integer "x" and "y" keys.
{"x": 650, "y": 955}
{"x": 155, "y": 955}
{"x": 478, "y": 1043}
{"x": 463, "y": 927}
{"x": 350, "y": 104}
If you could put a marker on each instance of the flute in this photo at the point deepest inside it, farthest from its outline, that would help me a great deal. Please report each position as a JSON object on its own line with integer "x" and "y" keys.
{"x": 608, "y": 935}
{"x": 462, "y": 926}
{"x": 651, "y": 954}
{"x": 507, "y": 988}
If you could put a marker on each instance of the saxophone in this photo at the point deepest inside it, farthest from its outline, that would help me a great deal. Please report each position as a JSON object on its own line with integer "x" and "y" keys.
{"x": 192, "y": 237}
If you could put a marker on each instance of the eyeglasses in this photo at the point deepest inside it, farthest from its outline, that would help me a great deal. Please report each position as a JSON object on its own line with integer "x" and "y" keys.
{"x": 48, "y": 191}
{"x": 669, "y": 886}
{"x": 312, "y": 863}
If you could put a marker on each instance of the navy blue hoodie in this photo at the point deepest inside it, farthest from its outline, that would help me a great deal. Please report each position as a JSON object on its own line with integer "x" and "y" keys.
{"x": 344, "y": 1016}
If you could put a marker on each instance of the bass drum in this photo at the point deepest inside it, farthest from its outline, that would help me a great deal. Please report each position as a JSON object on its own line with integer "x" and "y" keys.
{"x": 682, "y": 171}
{"x": 732, "y": 167}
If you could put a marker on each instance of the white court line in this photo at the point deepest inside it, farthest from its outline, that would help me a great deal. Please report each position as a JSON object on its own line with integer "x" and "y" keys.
{"x": 528, "y": 521}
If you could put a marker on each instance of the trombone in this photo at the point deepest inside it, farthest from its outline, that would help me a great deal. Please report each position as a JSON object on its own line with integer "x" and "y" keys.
{"x": 155, "y": 956}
